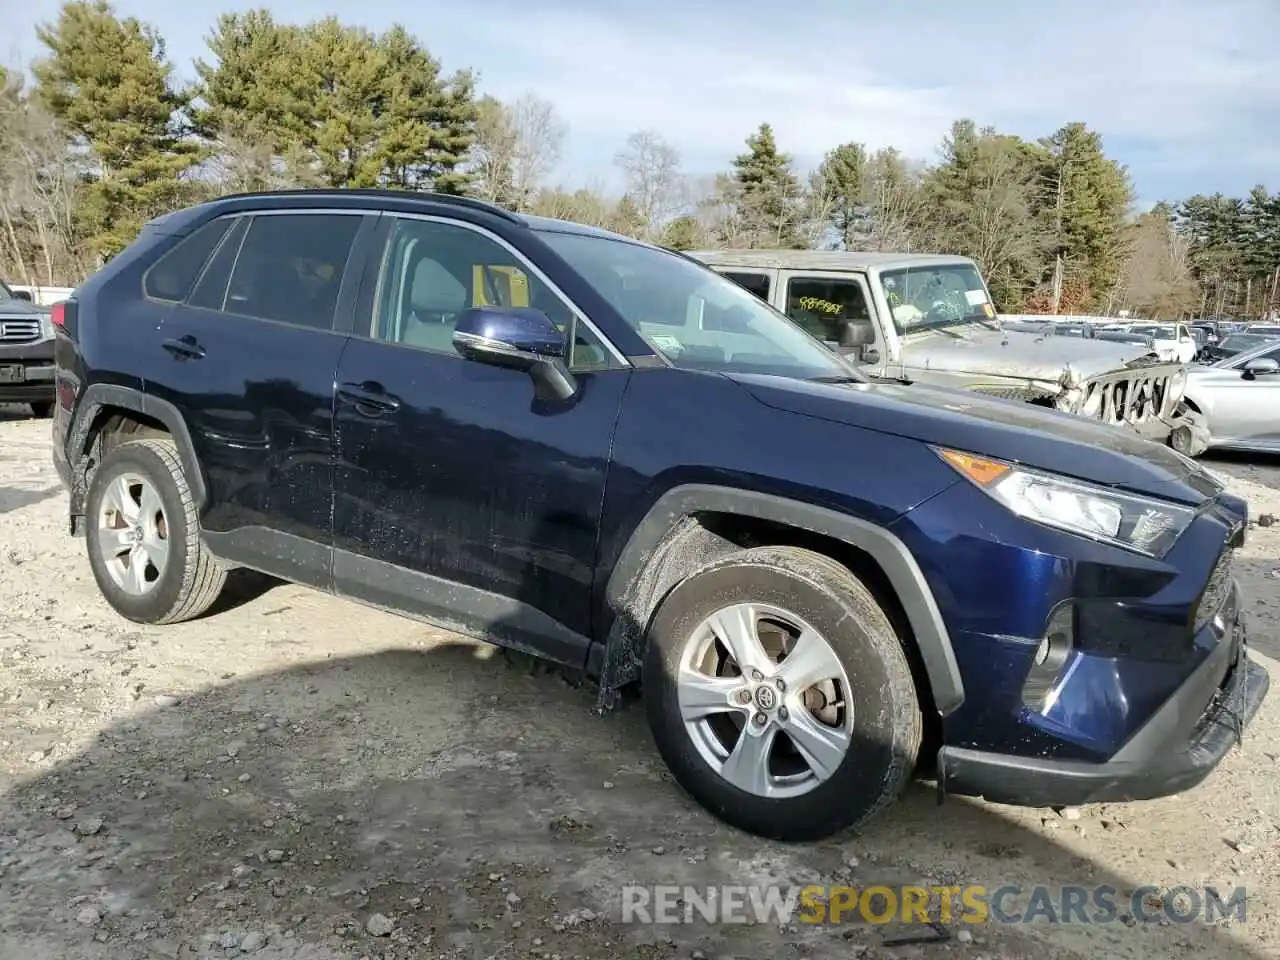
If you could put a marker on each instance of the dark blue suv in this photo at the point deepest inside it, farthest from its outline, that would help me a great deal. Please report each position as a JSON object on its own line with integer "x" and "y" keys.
{"x": 604, "y": 453}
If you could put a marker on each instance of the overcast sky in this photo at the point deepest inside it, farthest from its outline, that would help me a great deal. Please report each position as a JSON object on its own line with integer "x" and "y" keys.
{"x": 1185, "y": 92}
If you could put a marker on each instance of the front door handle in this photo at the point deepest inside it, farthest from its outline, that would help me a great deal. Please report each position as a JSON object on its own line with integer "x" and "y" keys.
{"x": 184, "y": 348}
{"x": 369, "y": 398}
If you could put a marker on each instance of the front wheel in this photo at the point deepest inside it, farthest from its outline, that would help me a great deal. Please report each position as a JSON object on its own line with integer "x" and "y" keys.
{"x": 779, "y": 695}
{"x": 1190, "y": 437}
{"x": 42, "y": 410}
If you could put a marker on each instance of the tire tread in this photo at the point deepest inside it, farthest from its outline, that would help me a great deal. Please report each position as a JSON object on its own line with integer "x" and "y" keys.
{"x": 203, "y": 575}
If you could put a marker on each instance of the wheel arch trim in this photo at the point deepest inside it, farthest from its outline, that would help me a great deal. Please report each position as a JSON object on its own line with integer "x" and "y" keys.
{"x": 895, "y": 560}
{"x": 100, "y": 396}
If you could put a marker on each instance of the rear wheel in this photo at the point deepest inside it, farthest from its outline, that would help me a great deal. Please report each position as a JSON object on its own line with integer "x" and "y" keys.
{"x": 780, "y": 696}
{"x": 143, "y": 536}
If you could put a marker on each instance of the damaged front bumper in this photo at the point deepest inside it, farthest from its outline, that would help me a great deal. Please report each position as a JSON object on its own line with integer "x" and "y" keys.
{"x": 1177, "y": 748}
{"x": 1146, "y": 396}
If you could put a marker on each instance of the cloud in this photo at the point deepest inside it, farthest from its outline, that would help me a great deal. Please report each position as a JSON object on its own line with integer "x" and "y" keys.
{"x": 1186, "y": 92}
{"x": 1179, "y": 77}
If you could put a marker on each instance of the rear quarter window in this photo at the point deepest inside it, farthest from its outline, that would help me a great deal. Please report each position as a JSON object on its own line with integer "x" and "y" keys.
{"x": 172, "y": 276}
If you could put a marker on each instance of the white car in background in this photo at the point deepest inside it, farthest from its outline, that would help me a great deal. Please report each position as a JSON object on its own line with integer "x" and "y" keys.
{"x": 1171, "y": 341}
{"x": 1239, "y": 401}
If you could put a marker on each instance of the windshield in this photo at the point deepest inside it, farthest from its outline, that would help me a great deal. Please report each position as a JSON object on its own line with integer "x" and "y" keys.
{"x": 1241, "y": 341}
{"x": 694, "y": 317}
{"x": 1155, "y": 330}
{"x": 937, "y": 296}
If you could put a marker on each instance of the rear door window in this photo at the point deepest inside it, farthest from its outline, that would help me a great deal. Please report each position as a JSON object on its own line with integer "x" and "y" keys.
{"x": 286, "y": 268}
{"x": 757, "y": 283}
{"x": 211, "y": 289}
{"x": 171, "y": 277}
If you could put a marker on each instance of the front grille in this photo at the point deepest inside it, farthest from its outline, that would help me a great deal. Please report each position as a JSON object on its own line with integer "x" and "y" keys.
{"x": 19, "y": 331}
{"x": 1135, "y": 400}
{"x": 1216, "y": 590}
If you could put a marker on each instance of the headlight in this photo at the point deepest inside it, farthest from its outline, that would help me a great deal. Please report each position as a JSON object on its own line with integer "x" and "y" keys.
{"x": 1100, "y": 513}
{"x": 46, "y": 327}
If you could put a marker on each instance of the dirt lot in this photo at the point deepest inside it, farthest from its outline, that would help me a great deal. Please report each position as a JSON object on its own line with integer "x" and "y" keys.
{"x": 294, "y": 776}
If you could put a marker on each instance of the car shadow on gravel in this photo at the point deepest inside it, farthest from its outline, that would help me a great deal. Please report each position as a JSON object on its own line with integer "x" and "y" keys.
{"x": 473, "y": 802}
{"x": 243, "y": 587}
{"x": 15, "y": 498}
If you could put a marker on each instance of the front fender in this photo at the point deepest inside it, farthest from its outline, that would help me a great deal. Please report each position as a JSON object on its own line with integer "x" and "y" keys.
{"x": 663, "y": 549}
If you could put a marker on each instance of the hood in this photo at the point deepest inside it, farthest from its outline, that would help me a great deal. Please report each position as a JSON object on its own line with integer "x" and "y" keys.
{"x": 21, "y": 308}
{"x": 1005, "y": 429}
{"x": 984, "y": 351}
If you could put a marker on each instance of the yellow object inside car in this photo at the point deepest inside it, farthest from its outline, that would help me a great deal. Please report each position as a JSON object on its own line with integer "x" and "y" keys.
{"x": 494, "y": 286}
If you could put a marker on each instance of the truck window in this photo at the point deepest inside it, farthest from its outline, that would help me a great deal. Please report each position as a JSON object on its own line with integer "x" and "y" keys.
{"x": 757, "y": 283}
{"x": 821, "y": 305}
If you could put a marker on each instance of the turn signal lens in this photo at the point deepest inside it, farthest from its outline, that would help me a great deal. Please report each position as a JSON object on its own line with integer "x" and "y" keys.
{"x": 980, "y": 470}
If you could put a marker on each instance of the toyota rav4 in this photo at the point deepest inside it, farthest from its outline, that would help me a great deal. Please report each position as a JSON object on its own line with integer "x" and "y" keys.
{"x": 553, "y": 438}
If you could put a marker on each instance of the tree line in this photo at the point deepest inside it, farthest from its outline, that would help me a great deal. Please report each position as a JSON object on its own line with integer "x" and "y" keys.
{"x": 103, "y": 138}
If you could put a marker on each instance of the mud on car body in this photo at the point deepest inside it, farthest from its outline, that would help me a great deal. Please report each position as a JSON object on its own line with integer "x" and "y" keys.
{"x": 558, "y": 439}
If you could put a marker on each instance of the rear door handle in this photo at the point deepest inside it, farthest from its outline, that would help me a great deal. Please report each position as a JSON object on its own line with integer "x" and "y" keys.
{"x": 370, "y": 399}
{"x": 184, "y": 348}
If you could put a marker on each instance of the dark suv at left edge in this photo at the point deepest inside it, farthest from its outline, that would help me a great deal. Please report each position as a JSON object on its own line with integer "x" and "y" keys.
{"x": 554, "y": 438}
{"x": 26, "y": 352}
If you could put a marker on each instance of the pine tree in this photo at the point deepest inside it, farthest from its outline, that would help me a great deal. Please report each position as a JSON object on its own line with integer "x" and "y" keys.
{"x": 1084, "y": 204}
{"x": 769, "y": 193}
{"x": 336, "y": 105}
{"x": 842, "y": 178}
{"x": 107, "y": 80}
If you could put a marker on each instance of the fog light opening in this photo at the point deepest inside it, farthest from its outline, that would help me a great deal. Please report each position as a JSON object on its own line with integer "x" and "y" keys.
{"x": 1050, "y": 657}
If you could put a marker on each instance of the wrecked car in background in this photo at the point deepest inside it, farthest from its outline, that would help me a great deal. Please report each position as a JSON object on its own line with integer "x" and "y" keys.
{"x": 930, "y": 318}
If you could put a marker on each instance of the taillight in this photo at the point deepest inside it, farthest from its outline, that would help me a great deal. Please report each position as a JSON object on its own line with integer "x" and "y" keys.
{"x": 58, "y": 314}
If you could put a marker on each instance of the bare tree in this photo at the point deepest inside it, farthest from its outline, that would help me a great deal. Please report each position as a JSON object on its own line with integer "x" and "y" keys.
{"x": 493, "y": 152}
{"x": 894, "y": 200}
{"x": 516, "y": 148}
{"x": 539, "y": 143}
{"x": 241, "y": 164}
{"x": 1157, "y": 278}
{"x": 651, "y": 167}
{"x": 38, "y": 183}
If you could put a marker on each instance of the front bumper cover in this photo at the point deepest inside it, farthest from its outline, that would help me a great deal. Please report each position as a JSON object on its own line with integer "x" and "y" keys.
{"x": 36, "y": 363}
{"x": 1176, "y": 749}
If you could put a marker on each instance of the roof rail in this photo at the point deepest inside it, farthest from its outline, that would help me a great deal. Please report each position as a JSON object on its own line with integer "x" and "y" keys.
{"x": 471, "y": 203}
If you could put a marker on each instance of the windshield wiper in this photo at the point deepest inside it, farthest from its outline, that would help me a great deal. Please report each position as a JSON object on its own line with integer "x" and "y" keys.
{"x": 838, "y": 378}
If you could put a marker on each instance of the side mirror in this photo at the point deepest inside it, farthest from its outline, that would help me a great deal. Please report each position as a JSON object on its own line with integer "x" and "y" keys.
{"x": 22, "y": 295}
{"x": 521, "y": 338}
{"x": 1260, "y": 367}
{"x": 858, "y": 337}
{"x": 857, "y": 333}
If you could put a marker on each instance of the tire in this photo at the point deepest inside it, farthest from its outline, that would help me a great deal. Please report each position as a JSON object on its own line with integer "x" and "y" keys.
{"x": 42, "y": 410}
{"x": 182, "y": 579}
{"x": 883, "y": 734}
{"x": 1191, "y": 436}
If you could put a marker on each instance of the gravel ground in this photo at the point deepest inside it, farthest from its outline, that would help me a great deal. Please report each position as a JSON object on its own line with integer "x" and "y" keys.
{"x": 295, "y": 776}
